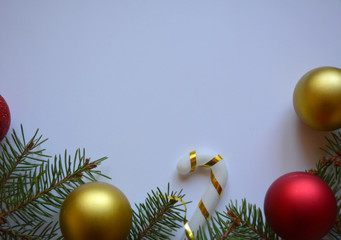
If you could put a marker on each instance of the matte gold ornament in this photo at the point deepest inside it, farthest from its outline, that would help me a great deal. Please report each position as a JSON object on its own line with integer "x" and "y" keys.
{"x": 95, "y": 211}
{"x": 317, "y": 98}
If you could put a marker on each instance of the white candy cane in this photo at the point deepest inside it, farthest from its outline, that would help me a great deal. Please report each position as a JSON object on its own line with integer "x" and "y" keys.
{"x": 214, "y": 190}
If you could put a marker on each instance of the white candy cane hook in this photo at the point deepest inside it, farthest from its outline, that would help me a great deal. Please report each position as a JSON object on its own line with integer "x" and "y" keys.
{"x": 214, "y": 190}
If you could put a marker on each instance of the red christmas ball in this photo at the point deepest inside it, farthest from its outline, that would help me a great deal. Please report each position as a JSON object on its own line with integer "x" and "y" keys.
{"x": 5, "y": 118}
{"x": 300, "y": 206}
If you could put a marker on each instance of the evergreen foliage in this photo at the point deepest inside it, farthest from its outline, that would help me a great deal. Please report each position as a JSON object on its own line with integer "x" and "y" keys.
{"x": 238, "y": 222}
{"x": 158, "y": 217}
{"x": 33, "y": 187}
{"x": 328, "y": 169}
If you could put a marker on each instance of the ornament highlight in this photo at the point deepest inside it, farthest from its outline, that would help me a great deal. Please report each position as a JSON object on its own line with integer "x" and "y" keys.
{"x": 95, "y": 210}
{"x": 5, "y": 118}
{"x": 214, "y": 190}
{"x": 300, "y": 206}
{"x": 317, "y": 98}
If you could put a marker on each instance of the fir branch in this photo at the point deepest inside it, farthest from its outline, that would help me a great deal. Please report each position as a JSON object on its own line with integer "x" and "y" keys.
{"x": 26, "y": 151}
{"x": 75, "y": 176}
{"x": 15, "y": 234}
{"x": 250, "y": 221}
{"x": 11, "y": 158}
{"x": 238, "y": 222}
{"x": 158, "y": 217}
{"x": 33, "y": 187}
{"x": 328, "y": 169}
{"x": 230, "y": 229}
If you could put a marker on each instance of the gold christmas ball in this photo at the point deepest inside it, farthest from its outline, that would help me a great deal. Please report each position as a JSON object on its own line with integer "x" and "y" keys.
{"x": 317, "y": 98}
{"x": 95, "y": 211}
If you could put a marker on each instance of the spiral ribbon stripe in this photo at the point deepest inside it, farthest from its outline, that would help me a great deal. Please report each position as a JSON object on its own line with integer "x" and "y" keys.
{"x": 213, "y": 161}
{"x": 203, "y": 210}
{"x": 216, "y": 184}
{"x": 193, "y": 158}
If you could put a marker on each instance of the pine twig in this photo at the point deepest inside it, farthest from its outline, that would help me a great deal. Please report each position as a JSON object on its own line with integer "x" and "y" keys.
{"x": 19, "y": 158}
{"x": 328, "y": 169}
{"x": 250, "y": 218}
{"x": 72, "y": 177}
{"x": 238, "y": 222}
{"x": 158, "y": 217}
{"x": 16, "y": 235}
{"x": 232, "y": 226}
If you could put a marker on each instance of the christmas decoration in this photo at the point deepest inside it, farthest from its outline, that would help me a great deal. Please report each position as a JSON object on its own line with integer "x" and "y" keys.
{"x": 96, "y": 210}
{"x": 317, "y": 98}
{"x": 32, "y": 186}
{"x": 33, "y": 189}
{"x": 300, "y": 206}
{"x": 214, "y": 190}
{"x": 5, "y": 118}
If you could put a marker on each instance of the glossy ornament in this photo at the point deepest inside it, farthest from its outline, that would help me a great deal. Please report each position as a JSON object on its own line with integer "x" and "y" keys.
{"x": 5, "y": 118}
{"x": 300, "y": 206}
{"x": 317, "y": 98}
{"x": 95, "y": 210}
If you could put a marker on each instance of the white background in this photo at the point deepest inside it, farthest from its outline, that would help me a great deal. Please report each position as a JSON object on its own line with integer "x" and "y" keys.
{"x": 146, "y": 82}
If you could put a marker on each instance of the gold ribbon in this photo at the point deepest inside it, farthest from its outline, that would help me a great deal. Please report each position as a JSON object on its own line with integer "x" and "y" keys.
{"x": 213, "y": 161}
{"x": 193, "y": 158}
{"x": 203, "y": 210}
{"x": 214, "y": 181}
{"x": 216, "y": 184}
{"x": 188, "y": 231}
